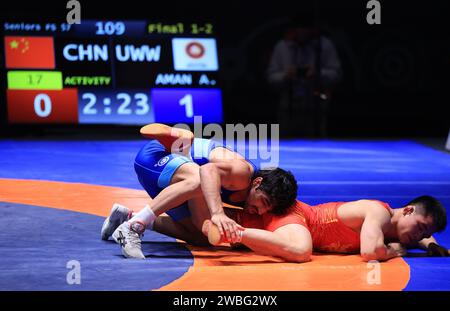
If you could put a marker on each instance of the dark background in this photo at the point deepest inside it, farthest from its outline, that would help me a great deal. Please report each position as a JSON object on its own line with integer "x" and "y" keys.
{"x": 396, "y": 75}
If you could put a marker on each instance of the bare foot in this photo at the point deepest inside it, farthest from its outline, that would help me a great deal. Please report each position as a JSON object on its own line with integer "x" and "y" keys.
{"x": 175, "y": 140}
{"x": 212, "y": 232}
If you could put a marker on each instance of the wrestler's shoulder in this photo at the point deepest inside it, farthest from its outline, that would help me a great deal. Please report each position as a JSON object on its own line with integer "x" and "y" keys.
{"x": 298, "y": 206}
{"x": 370, "y": 205}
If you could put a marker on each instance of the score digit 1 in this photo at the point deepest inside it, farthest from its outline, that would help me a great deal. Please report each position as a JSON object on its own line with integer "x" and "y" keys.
{"x": 187, "y": 102}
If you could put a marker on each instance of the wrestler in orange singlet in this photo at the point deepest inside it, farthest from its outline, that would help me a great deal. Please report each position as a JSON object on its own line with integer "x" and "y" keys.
{"x": 370, "y": 227}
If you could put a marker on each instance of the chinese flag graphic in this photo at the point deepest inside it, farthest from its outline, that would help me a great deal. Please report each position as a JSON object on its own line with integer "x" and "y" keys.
{"x": 29, "y": 52}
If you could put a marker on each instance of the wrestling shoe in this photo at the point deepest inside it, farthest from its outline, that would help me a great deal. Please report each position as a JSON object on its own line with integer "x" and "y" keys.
{"x": 118, "y": 215}
{"x": 128, "y": 235}
{"x": 175, "y": 140}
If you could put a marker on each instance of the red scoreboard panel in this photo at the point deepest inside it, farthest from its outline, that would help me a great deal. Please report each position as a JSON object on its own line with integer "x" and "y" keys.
{"x": 37, "y": 106}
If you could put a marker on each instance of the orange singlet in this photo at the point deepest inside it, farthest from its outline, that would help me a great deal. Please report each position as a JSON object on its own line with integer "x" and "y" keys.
{"x": 328, "y": 232}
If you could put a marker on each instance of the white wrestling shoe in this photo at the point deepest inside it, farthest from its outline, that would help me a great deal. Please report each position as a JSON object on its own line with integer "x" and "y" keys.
{"x": 128, "y": 235}
{"x": 119, "y": 214}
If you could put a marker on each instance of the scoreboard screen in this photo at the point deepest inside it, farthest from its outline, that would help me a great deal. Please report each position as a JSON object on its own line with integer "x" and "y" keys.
{"x": 111, "y": 72}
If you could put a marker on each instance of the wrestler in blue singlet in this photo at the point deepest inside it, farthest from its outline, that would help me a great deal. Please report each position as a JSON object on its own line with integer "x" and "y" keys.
{"x": 155, "y": 167}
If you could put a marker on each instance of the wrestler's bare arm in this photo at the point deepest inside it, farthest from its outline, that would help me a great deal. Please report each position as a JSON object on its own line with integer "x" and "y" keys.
{"x": 432, "y": 246}
{"x": 424, "y": 243}
{"x": 291, "y": 242}
{"x": 372, "y": 237}
{"x": 230, "y": 174}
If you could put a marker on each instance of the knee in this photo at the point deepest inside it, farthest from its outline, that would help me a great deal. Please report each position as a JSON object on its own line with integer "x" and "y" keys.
{"x": 190, "y": 177}
{"x": 192, "y": 185}
{"x": 199, "y": 225}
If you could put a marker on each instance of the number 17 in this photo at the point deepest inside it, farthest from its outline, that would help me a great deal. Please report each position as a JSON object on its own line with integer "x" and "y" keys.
{"x": 34, "y": 79}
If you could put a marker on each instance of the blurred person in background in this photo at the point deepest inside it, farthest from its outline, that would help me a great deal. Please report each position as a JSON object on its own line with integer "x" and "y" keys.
{"x": 304, "y": 69}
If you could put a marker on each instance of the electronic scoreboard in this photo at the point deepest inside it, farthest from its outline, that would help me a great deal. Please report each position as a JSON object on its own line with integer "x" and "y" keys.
{"x": 111, "y": 72}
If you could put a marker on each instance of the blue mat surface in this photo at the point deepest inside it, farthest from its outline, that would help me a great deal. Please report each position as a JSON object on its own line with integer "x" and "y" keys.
{"x": 38, "y": 245}
{"x": 391, "y": 171}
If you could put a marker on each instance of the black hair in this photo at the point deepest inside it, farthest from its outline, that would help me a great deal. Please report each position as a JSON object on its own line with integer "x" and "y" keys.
{"x": 433, "y": 208}
{"x": 280, "y": 186}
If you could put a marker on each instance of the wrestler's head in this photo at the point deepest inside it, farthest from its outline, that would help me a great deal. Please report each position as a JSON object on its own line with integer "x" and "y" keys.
{"x": 421, "y": 218}
{"x": 302, "y": 28}
{"x": 272, "y": 190}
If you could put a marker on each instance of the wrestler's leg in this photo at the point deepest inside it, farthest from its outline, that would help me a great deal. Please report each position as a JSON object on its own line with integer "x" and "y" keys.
{"x": 199, "y": 211}
{"x": 186, "y": 221}
{"x": 178, "y": 225}
{"x": 175, "y": 140}
{"x": 171, "y": 180}
{"x": 182, "y": 230}
{"x": 184, "y": 184}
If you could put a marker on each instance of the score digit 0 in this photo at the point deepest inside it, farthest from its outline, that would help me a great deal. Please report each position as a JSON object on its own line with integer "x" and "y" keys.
{"x": 45, "y": 110}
